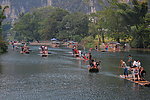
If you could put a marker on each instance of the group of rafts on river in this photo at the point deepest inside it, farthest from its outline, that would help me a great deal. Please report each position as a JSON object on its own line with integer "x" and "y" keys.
{"x": 137, "y": 72}
{"x": 25, "y": 49}
{"x": 93, "y": 66}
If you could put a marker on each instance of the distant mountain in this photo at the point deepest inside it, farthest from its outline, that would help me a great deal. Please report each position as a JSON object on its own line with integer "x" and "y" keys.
{"x": 19, "y": 6}
{"x": 22, "y": 6}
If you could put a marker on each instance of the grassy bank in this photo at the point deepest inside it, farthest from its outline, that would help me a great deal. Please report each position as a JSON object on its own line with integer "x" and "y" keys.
{"x": 3, "y": 47}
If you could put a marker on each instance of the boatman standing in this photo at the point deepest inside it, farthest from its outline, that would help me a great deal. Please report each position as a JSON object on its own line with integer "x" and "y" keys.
{"x": 130, "y": 60}
{"x": 124, "y": 66}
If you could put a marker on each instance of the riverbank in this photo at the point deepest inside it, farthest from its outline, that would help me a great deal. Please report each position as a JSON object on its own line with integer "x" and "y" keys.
{"x": 3, "y": 47}
{"x": 52, "y": 44}
{"x": 141, "y": 49}
{"x": 34, "y": 43}
{"x": 101, "y": 48}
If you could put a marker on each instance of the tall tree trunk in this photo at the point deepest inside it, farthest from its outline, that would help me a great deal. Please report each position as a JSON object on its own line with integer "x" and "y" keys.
{"x": 0, "y": 30}
{"x": 103, "y": 37}
{"x": 2, "y": 17}
{"x": 99, "y": 39}
{"x": 118, "y": 40}
{"x": 140, "y": 42}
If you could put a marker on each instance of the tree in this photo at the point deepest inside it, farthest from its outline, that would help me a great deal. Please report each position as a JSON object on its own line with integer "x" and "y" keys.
{"x": 142, "y": 33}
{"x": 2, "y": 17}
{"x": 49, "y": 27}
{"x": 3, "y": 46}
{"x": 74, "y": 26}
{"x": 6, "y": 28}
{"x": 39, "y": 24}
{"x": 134, "y": 17}
{"x": 26, "y": 28}
{"x": 124, "y": 20}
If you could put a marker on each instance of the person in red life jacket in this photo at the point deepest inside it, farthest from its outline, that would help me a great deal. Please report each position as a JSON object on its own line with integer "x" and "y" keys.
{"x": 85, "y": 57}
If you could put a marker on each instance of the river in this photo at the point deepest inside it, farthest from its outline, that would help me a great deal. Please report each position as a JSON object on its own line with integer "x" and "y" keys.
{"x": 60, "y": 76}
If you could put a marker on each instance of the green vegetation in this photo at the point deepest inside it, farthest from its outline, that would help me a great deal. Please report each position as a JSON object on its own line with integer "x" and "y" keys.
{"x": 124, "y": 22}
{"x": 3, "y": 46}
{"x": 48, "y": 22}
{"x": 121, "y": 22}
{"x": 74, "y": 27}
{"x": 40, "y": 24}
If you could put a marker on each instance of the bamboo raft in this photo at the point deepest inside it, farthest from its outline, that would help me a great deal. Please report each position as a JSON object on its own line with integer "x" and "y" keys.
{"x": 44, "y": 55}
{"x": 141, "y": 82}
{"x": 93, "y": 70}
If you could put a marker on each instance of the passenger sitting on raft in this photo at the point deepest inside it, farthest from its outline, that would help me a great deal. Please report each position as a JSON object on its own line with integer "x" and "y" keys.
{"x": 98, "y": 63}
{"x": 73, "y": 51}
{"x": 136, "y": 74}
{"x": 84, "y": 56}
{"x": 93, "y": 63}
{"x": 76, "y": 52}
{"x": 22, "y": 48}
{"x": 42, "y": 49}
{"x": 25, "y": 49}
{"x": 45, "y": 50}
{"x": 136, "y": 64}
{"x": 80, "y": 53}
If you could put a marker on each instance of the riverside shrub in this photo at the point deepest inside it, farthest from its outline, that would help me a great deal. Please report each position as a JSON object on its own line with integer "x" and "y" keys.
{"x": 3, "y": 46}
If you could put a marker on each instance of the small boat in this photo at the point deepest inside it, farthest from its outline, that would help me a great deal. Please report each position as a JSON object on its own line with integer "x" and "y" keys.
{"x": 27, "y": 52}
{"x": 24, "y": 52}
{"x": 49, "y": 53}
{"x": 44, "y": 55}
{"x": 103, "y": 51}
{"x": 41, "y": 52}
{"x": 81, "y": 58}
{"x": 76, "y": 55}
{"x": 55, "y": 45}
{"x": 93, "y": 69}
